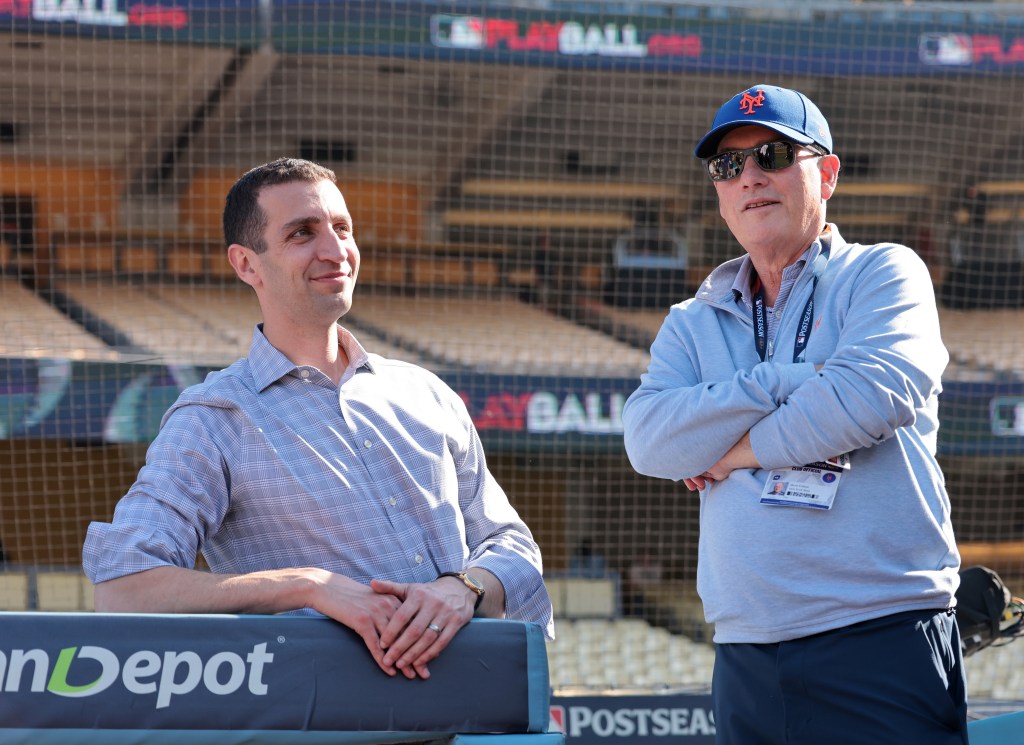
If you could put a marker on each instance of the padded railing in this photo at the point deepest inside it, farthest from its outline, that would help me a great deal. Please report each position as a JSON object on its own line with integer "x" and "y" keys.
{"x": 127, "y": 678}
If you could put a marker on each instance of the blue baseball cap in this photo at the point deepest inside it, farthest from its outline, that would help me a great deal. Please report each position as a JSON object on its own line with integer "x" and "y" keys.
{"x": 788, "y": 112}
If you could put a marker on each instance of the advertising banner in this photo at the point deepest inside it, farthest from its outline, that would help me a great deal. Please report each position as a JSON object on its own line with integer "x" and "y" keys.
{"x": 108, "y": 402}
{"x": 151, "y": 672}
{"x": 676, "y": 717}
{"x": 214, "y": 22}
{"x": 663, "y": 37}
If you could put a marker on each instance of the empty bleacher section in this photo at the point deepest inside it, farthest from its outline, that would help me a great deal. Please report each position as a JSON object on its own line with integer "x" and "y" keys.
{"x": 452, "y": 331}
{"x": 153, "y": 89}
{"x": 229, "y": 311}
{"x": 589, "y": 204}
{"x": 191, "y": 324}
{"x": 625, "y": 653}
{"x": 34, "y": 328}
{"x": 596, "y": 647}
{"x": 631, "y": 326}
{"x": 987, "y": 342}
{"x": 171, "y": 333}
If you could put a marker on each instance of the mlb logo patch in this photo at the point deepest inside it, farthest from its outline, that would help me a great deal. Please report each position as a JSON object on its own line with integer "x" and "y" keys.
{"x": 557, "y": 721}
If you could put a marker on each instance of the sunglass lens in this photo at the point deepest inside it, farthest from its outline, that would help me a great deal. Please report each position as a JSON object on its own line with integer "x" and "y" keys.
{"x": 774, "y": 156}
{"x": 725, "y": 166}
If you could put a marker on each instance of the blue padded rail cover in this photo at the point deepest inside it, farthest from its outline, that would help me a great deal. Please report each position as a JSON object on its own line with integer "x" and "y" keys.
{"x": 125, "y": 678}
{"x": 1004, "y": 729}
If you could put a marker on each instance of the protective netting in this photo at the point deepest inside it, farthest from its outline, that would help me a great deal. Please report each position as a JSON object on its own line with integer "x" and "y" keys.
{"x": 527, "y": 205}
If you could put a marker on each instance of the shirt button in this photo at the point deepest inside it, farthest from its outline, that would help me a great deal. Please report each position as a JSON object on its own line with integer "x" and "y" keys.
{"x": 367, "y": 444}
{"x": 304, "y": 373}
{"x": 392, "y": 501}
{"x": 419, "y": 559}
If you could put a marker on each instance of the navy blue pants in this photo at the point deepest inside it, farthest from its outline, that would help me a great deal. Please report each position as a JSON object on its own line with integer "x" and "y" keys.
{"x": 897, "y": 680}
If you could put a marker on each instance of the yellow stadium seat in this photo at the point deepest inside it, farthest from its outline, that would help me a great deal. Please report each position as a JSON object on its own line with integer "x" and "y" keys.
{"x": 590, "y": 597}
{"x": 61, "y": 591}
{"x": 14, "y": 591}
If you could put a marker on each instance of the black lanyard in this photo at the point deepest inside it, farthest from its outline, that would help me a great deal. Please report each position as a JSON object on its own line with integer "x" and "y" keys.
{"x": 803, "y": 333}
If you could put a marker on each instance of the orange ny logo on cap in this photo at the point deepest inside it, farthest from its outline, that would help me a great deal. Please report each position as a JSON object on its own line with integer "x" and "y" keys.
{"x": 748, "y": 103}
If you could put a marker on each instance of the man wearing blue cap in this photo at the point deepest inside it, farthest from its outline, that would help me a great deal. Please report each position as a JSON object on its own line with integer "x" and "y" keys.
{"x": 816, "y": 364}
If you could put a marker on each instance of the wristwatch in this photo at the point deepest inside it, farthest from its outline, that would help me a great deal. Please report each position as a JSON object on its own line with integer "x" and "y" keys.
{"x": 469, "y": 582}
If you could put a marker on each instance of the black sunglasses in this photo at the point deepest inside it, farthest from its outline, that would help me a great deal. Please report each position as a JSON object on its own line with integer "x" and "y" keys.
{"x": 771, "y": 156}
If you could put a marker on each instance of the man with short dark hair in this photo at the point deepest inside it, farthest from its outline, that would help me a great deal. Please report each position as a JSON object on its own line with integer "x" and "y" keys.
{"x": 313, "y": 474}
{"x": 816, "y": 363}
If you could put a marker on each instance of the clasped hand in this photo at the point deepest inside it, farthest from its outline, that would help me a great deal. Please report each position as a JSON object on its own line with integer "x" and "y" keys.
{"x": 740, "y": 455}
{"x": 404, "y": 625}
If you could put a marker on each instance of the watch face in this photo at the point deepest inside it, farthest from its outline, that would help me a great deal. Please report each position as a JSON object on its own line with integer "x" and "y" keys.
{"x": 473, "y": 583}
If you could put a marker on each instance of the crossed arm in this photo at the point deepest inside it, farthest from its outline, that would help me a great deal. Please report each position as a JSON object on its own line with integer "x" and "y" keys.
{"x": 393, "y": 619}
{"x": 740, "y": 455}
{"x": 697, "y": 417}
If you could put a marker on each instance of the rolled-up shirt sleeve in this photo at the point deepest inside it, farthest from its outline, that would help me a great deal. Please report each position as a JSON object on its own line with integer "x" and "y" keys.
{"x": 180, "y": 493}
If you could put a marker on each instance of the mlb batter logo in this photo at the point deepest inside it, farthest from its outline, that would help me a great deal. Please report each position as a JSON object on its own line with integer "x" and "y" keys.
{"x": 557, "y": 721}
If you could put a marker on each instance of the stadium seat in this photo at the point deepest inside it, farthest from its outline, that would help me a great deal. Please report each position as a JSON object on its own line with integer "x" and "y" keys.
{"x": 584, "y": 597}
{"x": 14, "y": 588}
{"x": 75, "y": 258}
{"x": 484, "y": 272}
{"x": 437, "y": 271}
{"x": 590, "y": 597}
{"x": 184, "y": 261}
{"x": 385, "y": 269}
{"x": 138, "y": 258}
{"x": 63, "y": 591}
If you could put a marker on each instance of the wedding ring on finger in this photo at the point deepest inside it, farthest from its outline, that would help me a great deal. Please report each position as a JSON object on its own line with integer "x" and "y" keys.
{"x": 434, "y": 627}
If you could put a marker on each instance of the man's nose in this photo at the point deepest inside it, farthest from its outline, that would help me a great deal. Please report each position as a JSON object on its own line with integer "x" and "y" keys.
{"x": 335, "y": 247}
{"x": 751, "y": 171}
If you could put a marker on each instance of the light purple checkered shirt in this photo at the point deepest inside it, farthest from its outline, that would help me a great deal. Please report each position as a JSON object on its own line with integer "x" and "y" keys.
{"x": 266, "y": 465}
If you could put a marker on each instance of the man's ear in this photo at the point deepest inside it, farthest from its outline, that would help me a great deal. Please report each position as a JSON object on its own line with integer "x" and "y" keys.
{"x": 243, "y": 259}
{"x": 829, "y": 168}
